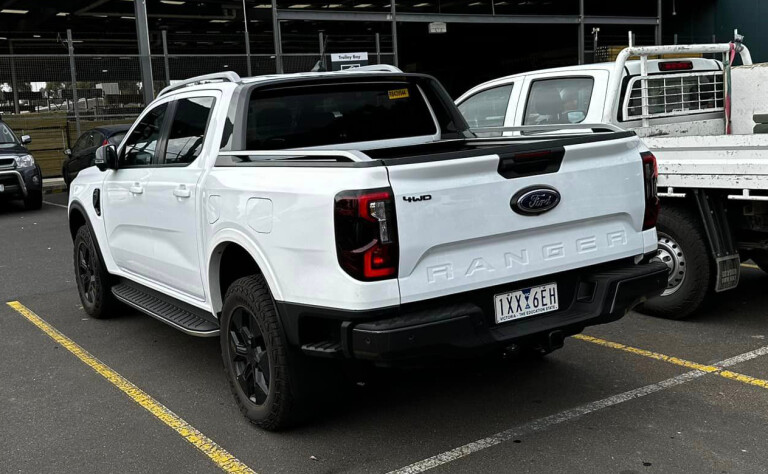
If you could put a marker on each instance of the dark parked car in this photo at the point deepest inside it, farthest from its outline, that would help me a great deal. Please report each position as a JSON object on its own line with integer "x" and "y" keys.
{"x": 81, "y": 155}
{"x": 20, "y": 176}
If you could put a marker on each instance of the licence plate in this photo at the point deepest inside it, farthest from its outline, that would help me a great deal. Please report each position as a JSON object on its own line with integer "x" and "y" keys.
{"x": 526, "y": 302}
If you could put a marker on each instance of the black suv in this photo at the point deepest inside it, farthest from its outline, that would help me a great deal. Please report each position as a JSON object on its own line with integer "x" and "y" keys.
{"x": 81, "y": 155}
{"x": 20, "y": 176}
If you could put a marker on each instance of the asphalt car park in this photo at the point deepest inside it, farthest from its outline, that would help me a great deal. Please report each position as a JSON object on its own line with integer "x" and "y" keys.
{"x": 131, "y": 394}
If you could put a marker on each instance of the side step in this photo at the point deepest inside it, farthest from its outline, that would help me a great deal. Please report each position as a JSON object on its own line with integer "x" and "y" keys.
{"x": 186, "y": 318}
{"x": 323, "y": 349}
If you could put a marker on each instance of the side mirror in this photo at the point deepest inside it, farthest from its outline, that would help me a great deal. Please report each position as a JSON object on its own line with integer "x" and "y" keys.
{"x": 68, "y": 152}
{"x": 106, "y": 158}
{"x": 26, "y": 139}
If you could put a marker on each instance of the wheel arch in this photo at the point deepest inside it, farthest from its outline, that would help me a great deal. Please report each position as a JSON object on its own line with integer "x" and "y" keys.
{"x": 77, "y": 218}
{"x": 233, "y": 256}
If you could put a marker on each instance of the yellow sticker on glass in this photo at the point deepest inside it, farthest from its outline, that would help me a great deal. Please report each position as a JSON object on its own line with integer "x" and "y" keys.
{"x": 398, "y": 94}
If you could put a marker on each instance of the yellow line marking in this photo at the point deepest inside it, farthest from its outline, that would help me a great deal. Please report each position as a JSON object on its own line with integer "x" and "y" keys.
{"x": 216, "y": 453}
{"x": 711, "y": 369}
{"x": 749, "y": 265}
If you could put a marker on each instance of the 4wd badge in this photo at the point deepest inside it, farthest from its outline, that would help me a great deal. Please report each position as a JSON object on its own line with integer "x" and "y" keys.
{"x": 535, "y": 200}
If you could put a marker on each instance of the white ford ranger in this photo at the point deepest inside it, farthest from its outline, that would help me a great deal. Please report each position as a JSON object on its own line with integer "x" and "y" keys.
{"x": 353, "y": 215}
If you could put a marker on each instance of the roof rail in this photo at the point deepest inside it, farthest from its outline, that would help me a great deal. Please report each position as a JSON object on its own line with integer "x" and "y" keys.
{"x": 374, "y": 67}
{"x": 227, "y": 76}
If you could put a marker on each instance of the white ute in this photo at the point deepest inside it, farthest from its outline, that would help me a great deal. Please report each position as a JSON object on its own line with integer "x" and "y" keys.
{"x": 713, "y": 171}
{"x": 353, "y": 215}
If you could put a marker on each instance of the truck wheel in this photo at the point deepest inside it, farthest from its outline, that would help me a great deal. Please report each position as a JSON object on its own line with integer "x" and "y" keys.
{"x": 93, "y": 280}
{"x": 260, "y": 367}
{"x": 683, "y": 248}
{"x": 33, "y": 201}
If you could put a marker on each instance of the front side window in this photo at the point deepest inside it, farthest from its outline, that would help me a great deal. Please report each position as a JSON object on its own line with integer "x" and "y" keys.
{"x": 487, "y": 108}
{"x": 7, "y": 137}
{"x": 141, "y": 146}
{"x": 559, "y": 101}
{"x": 185, "y": 138}
{"x": 320, "y": 115}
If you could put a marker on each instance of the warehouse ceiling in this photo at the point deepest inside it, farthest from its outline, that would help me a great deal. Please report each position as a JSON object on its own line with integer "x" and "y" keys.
{"x": 209, "y": 26}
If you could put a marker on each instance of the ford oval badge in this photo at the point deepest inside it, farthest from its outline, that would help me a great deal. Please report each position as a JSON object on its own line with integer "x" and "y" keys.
{"x": 535, "y": 200}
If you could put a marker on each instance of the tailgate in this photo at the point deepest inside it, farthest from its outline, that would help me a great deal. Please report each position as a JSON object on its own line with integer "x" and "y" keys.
{"x": 458, "y": 231}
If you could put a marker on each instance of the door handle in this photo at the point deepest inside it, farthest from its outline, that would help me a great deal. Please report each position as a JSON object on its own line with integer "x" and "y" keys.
{"x": 182, "y": 192}
{"x": 137, "y": 188}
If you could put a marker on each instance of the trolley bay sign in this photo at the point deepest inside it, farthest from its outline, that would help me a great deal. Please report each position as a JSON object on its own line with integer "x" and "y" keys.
{"x": 341, "y": 61}
{"x": 438, "y": 27}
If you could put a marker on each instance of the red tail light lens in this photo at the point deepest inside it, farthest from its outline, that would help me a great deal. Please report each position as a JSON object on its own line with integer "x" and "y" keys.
{"x": 105, "y": 142}
{"x": 652, "y": 203}
{"x": 366, "y": 234}
{"x": 676, "y": 66}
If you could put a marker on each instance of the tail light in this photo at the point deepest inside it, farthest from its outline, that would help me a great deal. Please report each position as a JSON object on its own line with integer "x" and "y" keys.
{"x": 650, "y": 177}
{"x": 105, "y": 142}
{"x": 676, "y": 66}
{"x": 366, "y": 234}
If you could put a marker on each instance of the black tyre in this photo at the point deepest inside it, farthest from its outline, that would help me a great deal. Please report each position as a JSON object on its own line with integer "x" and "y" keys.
{"x": 93, "y": 280}
{"x": 33, "y": 201}
{"x": 682, "y": 246}
{"x": 263, "y": 372}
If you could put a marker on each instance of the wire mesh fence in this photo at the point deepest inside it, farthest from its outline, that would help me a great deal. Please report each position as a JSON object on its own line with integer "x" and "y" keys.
{"x": 53, "y": 98}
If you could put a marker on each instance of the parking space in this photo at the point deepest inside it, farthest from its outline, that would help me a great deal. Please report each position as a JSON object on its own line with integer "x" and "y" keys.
{"x": 640, "y": 395}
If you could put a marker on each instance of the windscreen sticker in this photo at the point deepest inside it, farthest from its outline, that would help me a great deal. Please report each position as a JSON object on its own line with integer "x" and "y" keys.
{"x": 398, "y": 94}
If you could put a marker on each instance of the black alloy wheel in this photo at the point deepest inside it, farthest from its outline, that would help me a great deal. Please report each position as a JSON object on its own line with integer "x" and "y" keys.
{"x": 248, "y": 355}
{"x": 86, "y": 274}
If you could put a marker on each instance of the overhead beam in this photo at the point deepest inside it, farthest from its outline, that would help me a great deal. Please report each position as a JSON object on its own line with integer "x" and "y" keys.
{"x": 621, "y": 20}
{"x": 316, "y": 15}
{"x": 423, "y": 17}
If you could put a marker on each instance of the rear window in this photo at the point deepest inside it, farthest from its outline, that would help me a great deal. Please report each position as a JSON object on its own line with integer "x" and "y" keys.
{"x": 117, "y": 138}
{"x": 559, "y": 101}
{"x": 336, "y": 114}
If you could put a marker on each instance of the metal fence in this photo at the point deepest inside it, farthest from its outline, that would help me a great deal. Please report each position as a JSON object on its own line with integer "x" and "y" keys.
{"x": 54, "y": 98}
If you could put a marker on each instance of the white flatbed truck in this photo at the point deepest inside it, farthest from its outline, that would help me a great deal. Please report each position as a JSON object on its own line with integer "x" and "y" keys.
{"x": 696, "y": 116}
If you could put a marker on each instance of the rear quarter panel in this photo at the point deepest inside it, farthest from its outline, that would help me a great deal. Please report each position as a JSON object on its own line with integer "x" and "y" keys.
{"x": 284, "y": 217}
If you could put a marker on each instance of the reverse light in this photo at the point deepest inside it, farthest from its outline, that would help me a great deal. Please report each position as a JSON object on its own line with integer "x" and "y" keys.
{"x": 366, "y": 235}
{"x": 650, "y": 178}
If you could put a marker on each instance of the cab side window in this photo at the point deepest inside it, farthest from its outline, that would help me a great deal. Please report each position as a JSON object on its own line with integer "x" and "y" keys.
{"x": 487, "y": 108}
{"x": 559, "y": 101}
{"x": 187, "y": 132}
{"x": 141, "y": 146}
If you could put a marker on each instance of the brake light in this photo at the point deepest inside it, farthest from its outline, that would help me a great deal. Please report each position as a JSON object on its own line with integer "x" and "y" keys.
{"x": 676, "y": 66}
{"x": 652, "y": 203}
{"x": 366, "y": 234}
{"x": 105, "y": 142}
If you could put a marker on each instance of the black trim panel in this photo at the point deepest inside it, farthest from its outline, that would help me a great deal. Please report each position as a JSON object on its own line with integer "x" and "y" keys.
{"x": 464, "y": 324}
{"x": 465, "y": 149}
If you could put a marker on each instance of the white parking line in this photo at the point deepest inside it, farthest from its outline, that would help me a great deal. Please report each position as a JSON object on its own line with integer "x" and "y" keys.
{"x": 567, "y": 415}
{"x": 57, "y": 205}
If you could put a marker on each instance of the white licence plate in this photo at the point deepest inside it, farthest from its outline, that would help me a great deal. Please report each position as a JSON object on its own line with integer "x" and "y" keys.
{"x": 526, "y": 302}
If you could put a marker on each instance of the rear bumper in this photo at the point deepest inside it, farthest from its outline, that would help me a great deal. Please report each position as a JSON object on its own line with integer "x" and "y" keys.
{"x": 464, "y": 325}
